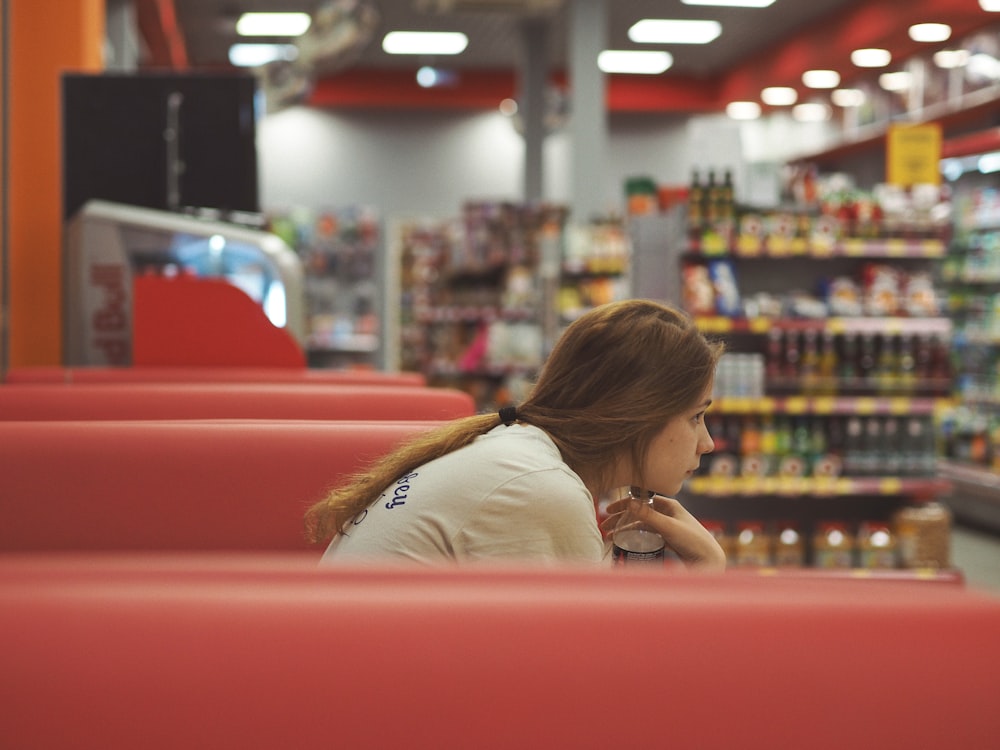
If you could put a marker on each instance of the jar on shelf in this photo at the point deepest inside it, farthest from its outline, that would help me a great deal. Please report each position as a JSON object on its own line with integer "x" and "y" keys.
{"x": 876, "y": 544}
{"x": 751, "y": 545}
{"x": 833, "y": 545}
{"x": 789, "y": 545}
{"x": 924, "y": 535}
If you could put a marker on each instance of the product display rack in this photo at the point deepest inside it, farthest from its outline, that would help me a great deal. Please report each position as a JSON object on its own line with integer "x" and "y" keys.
{"x": 340, "y": 248}
{"x": 475, "y": 294}
{"x": 839, "y": 410}
{"x": 971, "y": 430}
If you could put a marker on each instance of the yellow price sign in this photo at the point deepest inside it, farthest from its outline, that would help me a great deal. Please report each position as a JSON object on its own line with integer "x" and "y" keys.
{"x": 913, "y": 154}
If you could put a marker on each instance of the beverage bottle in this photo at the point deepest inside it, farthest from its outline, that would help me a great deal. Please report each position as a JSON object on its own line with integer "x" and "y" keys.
{"x": 827, "y": 366}
{"x": 711, "y": 200}
{"x": 696, "y": 197}
{"x": 633, "y": 541}
{"x": 792, "y": 355}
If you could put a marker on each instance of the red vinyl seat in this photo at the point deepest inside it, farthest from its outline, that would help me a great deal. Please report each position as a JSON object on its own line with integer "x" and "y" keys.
{"x": 270, "y": 653}
{"x": 204, "y": 374}
{"x": 232, "y": 401}
{"x": 176, "y": 485}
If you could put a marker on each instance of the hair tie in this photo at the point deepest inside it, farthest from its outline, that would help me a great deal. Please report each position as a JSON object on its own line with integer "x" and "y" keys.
{"x": 508, "y": 415}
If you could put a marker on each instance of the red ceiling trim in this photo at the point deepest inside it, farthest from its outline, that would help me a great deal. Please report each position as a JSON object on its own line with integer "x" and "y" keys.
{"x": 485, "y": 89}
{"x": 157, "y": 21}
{"x": 828, "y": 44}
{"x": 973, "y": 143}
{"x": 398, "y": 89}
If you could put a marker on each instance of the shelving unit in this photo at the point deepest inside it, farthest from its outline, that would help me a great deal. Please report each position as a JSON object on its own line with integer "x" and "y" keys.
{"x": 827, "y": 399}
{"x": 971, "y": 429}
{"x": 341, "y": 250}
{"x": 475, "y": 294}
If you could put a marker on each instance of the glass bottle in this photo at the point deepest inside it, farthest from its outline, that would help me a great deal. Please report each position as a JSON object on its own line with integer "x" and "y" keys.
{"x": 633, "y": 541}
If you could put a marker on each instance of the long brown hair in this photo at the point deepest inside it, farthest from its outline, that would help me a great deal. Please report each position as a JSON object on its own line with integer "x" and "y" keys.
{"x": 616, "y": 376}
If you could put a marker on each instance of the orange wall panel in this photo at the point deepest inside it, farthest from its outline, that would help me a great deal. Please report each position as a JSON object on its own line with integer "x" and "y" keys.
{"x": 47, "y": 38}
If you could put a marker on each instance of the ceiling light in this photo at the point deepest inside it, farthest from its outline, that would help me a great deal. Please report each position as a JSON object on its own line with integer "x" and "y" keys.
{"x": 743, "y": 110}
{"x": 989, "y": 163}
{"x": 429, "y": 77}
{"x": 982, "y": 65}
{"x": 255, "y": 55}
{"x": 273, "y": 24}
{"x": 779, "y": 96}
{"x": 821, "y": 79}
{"x": 642, "y": 62}
{"x": 663, "y": 31}
{"x": 951, "y": 58}
{"x": 848, "y": 97}
{"x": 930, "y": 32}
{"x": 811, "y": 112}
{"x": 424, "y": 42}
{"x": 901, "y": 80}
{"x": 871, "y": 58}
{"x": 990, "y": 6}
{"x": 732, "y": 3}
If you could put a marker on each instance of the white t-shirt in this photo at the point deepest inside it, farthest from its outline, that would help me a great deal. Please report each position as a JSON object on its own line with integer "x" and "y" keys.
{"x": 507, "y": 495}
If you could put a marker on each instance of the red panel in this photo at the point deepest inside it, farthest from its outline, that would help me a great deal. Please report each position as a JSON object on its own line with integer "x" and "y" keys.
{"x": 197, "y": 321}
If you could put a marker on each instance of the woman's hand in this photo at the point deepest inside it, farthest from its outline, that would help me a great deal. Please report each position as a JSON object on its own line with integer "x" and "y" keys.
{"x": 682, "y": 532}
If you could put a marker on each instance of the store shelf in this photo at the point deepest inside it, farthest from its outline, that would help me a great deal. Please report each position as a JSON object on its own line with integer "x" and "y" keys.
{"x": 890, "y": 575}
{"x": 802, "y": 247}
{"x": 473, "y": 314}
{"x": 829, "y": 405}
{"x": 716, "y": 486}
{"x": 893, "y": 326}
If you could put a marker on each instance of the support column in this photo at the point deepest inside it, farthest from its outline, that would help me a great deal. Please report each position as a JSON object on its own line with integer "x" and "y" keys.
{"x": 46, "y": 37}
{"x": 588, "y": 119}
{"x": 531, "y": 102}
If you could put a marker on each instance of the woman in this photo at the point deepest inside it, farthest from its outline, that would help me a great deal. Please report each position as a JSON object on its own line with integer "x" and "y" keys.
{"x": 620, "y": 402}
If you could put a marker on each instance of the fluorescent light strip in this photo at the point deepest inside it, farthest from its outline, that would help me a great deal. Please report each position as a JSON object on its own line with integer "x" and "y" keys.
{"x": 951, "y": 58}
{"x": 743, "y": 110}
{"x": 273, "y": 24}
{"x": 848, "y": 97}
{"x": 871, "y": 58}
{"x": 810, "y": 112}
{"x": 672, "y": 31}
{"x": 821, "y": 79}
{"x": 640, "y": 62}
{"x": 779, "y": 96}
{"x": 425, "y": 42}
{"x": 930, "y": 32}
{"x": 255, "y": 55}
{"x": 733, "y": 3}
{"x": 899, "y": 81}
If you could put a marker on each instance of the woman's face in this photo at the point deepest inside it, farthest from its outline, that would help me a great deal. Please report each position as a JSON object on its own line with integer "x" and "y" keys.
{"x": 676, "y": 451}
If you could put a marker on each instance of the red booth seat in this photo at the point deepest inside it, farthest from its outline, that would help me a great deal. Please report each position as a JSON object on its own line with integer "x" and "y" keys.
{"x": 266, "y": 654}
{"x": 181, "y": 374}
{"x": 232, "y": 401}
{"x": 175, "y": 485}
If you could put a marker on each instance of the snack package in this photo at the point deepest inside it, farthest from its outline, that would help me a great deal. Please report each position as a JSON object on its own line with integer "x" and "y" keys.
{"x": 698, "y": 292}
{"x": 882, "y": 290}
{"x": 727, "y": 294}
{"x": 920, "y": 299}
{"x": 843, "y": 297}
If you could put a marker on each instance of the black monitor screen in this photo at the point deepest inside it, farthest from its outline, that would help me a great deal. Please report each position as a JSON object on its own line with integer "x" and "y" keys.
{"x": 164, "y": 141}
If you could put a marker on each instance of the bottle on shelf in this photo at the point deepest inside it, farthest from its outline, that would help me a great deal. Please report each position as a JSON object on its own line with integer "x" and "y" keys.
{"x": 696, "y": 199}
